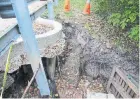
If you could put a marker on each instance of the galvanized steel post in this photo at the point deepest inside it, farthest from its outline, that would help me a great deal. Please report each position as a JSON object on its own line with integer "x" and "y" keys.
{"x": 25, "y": 27}
{"x": 56, "y": 2}
{"x": 50, "y": 5}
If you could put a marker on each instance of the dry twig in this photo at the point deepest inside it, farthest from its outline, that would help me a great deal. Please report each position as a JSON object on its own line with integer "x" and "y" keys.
{"x": 29, "y": 84}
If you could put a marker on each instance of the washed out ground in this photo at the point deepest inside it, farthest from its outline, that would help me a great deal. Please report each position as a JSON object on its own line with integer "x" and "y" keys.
{"x": 92, "y": 49}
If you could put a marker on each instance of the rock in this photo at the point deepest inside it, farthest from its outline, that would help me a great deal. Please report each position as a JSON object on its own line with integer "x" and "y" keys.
{"x": 36, "y": 91}
{"x": 92, "y": 70}
{"x": 108, "y": 45}
{"x": 31, "y": 89}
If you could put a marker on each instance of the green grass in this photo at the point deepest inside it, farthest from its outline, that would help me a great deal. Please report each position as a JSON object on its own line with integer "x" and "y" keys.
{"x": 69, "y": 14}
{"x": 75, "y": 5}
{"x": 78, "y": 4}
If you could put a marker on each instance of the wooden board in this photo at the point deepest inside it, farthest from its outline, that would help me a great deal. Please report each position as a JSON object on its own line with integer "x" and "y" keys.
{"x": 121, "y": 86}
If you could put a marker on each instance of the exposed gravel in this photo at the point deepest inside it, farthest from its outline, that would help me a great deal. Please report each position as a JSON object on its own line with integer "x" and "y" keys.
{"x": 54, "y": 49}
{"x": 41, "y": 28}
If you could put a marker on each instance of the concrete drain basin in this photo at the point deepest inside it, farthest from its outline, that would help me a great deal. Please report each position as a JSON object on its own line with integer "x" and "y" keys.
{"x": 50, "y": 43}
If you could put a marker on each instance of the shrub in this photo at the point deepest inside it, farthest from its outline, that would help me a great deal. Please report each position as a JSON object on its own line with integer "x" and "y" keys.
{"x": 123, "y": 14}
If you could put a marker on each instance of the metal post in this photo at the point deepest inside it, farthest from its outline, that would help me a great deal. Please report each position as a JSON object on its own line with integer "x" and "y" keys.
{"x": 25, "y": 27}
{"x": 50, "y": 10}
{"x": 56, "y": 2}
{"x": 51, "y": 64}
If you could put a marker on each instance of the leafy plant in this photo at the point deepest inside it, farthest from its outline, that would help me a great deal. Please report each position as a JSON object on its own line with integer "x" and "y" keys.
{"x": 123, "y": 14}
{"x": 6, "y": 70}
{"x": 134, "y": 33}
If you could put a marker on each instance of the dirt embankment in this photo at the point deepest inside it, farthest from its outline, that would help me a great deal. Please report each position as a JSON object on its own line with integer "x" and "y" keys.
{"x": 97, "y": 58}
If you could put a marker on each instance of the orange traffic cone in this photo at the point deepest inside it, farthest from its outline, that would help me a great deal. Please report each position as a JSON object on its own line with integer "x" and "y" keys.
{"x": 87, "y": 8}
{"x": 67, "y": 6}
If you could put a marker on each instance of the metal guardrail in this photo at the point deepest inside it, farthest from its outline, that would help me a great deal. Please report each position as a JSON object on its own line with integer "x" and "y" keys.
{"x": 6, "y": 9}
{"x": 11, "y": 32}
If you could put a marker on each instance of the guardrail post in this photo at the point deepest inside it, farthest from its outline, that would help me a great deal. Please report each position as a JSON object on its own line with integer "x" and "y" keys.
{"x": 25, "y": 27}
{"x": 56, "y": 2}
{"x": 50, "y": 5}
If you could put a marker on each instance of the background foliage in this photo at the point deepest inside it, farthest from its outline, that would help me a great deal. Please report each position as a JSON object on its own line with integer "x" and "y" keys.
{"x": 123, "y": 14}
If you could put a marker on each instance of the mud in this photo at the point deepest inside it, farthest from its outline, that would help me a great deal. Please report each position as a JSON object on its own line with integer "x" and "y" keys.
{"x": 85, "y": 65}
{"x": 96, "y": 58}
{"x": 88, "y": 58}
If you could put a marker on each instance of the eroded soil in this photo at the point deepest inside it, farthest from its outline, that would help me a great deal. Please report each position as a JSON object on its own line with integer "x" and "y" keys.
{"x": 91, "y": 51}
